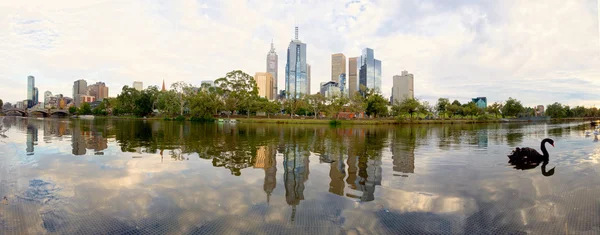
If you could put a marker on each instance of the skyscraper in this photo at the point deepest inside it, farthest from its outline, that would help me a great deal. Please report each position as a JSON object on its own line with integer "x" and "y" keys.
{"x": 403, "y": 87}
{"x": 308, "y": 71}
{"x": 36, "y": 96}
{"x": 338, "y": 66}
{"x": 296, "y": 74}
{"x": 47, "y": 95}
{"x": 79, "y": 89}
{"x": 264, "y": 83}
{"x": 370, "y": 70}
{"x": 352, "y": 75}
{"x": 272, "y": 68}
{"x": 30, "y": 91}
{"x": 138, "y": 85}
{"x": 98, "y": 90}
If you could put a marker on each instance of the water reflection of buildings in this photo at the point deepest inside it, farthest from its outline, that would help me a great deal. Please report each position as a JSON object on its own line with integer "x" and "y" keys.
{"x": 482, "y": 138}
{"x": 295, "y": 165}
{"x": 81, "y": 141}
{"x": 364, "y": 167}
{"x": 265, "y": 159}
{"x": 32, "y": 138}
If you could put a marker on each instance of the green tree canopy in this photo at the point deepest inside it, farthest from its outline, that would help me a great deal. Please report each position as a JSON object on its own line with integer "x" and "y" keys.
{"x": 512, "y": 108}
{"x": 556, "y": 110}
{"x": 442, "y": 106}
{"x": 376, "y": 105}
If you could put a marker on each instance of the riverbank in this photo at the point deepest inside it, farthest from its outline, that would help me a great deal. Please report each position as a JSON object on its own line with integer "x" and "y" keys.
{"x": 388, "y": 121}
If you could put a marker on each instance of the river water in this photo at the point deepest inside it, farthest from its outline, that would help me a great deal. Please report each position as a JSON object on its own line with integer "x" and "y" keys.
{"x": 98, "y": 176}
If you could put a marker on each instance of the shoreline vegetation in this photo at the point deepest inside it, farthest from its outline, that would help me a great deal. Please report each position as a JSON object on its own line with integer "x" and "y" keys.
{"x": 327, "y": 121}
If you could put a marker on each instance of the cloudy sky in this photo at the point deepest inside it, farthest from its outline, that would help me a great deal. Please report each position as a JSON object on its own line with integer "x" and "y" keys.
{"x": 536, "y": 51}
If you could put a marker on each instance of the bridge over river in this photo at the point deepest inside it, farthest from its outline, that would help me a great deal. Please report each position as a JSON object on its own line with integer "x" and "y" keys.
{"x": 34, "y": 112}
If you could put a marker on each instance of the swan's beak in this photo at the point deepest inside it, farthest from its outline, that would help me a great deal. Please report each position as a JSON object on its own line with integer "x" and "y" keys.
{"x": 552, "y": 145}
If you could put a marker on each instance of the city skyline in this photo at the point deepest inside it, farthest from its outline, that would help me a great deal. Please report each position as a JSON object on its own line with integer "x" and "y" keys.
{"x": 449, "y": 46}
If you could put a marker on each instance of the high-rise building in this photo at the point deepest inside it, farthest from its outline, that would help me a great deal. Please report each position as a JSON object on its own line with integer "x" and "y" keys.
{"x": 330, "y": 89}
{"x": 296, "y": 74}
{"x": 481, "y": 102}
{"x": 138, "y": 85}
{"x": 98, "y": 90}
{"x": 370, "y": 70}
{"x": 47, "y": 95}
{"x": 79, "y": 89}
{"x": 338, "y": 66}
{"x": 36, "y": 96}
{"x": 264, "y": 83}
{"x": 30, "y": 87}
{"x": 353, "y": 75}
{"x": 403, "y": 87}
{"x": 272, "y": 68}
{"x": 308, "y": 71}
{"x": 342, "y": 79}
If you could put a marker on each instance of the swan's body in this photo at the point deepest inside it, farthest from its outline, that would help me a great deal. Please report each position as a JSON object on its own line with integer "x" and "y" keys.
{"x": 528, "y": 158}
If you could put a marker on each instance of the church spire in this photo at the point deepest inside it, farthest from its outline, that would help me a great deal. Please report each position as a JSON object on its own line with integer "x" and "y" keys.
{"x": 163, "y": 88}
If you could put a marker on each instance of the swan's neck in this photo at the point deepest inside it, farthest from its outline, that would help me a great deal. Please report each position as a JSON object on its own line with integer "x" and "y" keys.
{"x": 544, "y": 151}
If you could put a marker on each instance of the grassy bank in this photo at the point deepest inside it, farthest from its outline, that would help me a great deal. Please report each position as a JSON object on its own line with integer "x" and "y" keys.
{"x": 326, "y": 121}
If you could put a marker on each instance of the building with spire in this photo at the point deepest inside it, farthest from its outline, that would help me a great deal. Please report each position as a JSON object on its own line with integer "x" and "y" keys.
{"x": 296, "y": 74}
{"x": 272, "y": 66}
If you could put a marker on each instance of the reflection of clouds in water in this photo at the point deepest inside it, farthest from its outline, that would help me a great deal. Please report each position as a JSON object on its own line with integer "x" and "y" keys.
{"x": 452, "y": 190}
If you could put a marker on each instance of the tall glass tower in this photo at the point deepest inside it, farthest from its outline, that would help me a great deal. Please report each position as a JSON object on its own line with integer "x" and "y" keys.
{"x": 272, "y": 68}
{"x": 370, "y": 70}
{"x": 30, "y": 87}
{"x": 296, "y": 75}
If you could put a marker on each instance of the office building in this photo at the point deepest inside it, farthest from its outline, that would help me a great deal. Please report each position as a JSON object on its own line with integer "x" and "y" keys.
{"x": 98, "y": 90}
{"x": 338, "y": 66}
{"x": 296, "y": 74}
{"x": 30, "y": 87}
{"x": 330, "y": 89}
{"x": 79, "y": 88}
{"x": 138, "y": 85}
{"x": 308, "y": 70}
{"x": 370, "y": 70}
{"x": 272, "y": 67}
{"x": 264, "y": 83}
{"x": 36, "y": 96}
{"x": 539, "y": 110}
{"x": 353, "y": 75}
{"x": 47, "y": 96}
{"x": 403, "y": 87}
{"x": 481, "y": 102}
{"x": 342, "y": 84}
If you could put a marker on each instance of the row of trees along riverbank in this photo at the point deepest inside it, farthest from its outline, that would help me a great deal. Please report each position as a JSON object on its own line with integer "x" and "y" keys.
{"x": 237, "y": 93}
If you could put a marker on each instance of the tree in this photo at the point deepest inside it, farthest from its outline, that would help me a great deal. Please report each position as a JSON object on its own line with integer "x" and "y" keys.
{"x": 1, "y": 104}
{"x": 376, "y": 105}
{"x": 272, "y": 107}
{"x": 556, "y": 110}
{"x": 127, "y": 100}
{"x": 495, "y": 108}
{"x": 183, "y": 91}
{"x": 204, "y": 104}
{"x": 454, "y": 109}
{"x": 143, "y": 104}
{"x": 425, "y": 108}
{"x": 357, "y": 103}
{"x": 100, "y": 110}
{"x": 237, "y": 88}
{"x": 316, "y": 103}
{"x": 85, "y": 109}
{"x": 512, "y": 107}
{"x": 409, "y": 106}
{"x": 168, "y": 102}
{"x": 72, "y": 110}
{"x": 292, "y": 104}
{"x": 456, "y": 102}
{"x": 336, "y": 103}
{"x": 470, "y": 109}
{"x": 442, "y": 106}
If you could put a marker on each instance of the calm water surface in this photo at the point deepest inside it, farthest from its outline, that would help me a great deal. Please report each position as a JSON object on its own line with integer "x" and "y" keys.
{"x": 69, "y": 176}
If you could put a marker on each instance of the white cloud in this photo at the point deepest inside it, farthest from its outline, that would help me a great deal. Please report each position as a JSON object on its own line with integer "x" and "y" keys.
{"x": 455, "y": 49}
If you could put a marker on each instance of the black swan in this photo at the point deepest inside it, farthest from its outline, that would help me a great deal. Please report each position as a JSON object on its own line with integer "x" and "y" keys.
{"x": 528, "y": 158}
